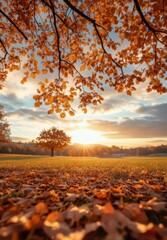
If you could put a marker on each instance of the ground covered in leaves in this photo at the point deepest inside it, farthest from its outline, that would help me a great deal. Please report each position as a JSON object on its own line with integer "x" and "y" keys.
{"x": 67, "y": 198}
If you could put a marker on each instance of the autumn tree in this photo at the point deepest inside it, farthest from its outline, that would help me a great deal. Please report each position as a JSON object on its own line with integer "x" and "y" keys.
{"x": 83, "y": 46}
{"x": 53, "y": 139}
{"x": 4, "y": 126}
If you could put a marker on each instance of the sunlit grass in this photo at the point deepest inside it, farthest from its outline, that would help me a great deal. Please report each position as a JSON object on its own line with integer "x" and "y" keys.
{"x": 118, "y": 167}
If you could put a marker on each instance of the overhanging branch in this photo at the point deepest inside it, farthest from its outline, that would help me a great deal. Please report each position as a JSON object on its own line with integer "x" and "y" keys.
{"x": 95, "y": 25}
{"x": 11, "y": 21}
{"x": 6, "y": 52}
{"x": 58, "y": 36}
{"x": 153, "y": 30}
{"x": 62, "y": 20}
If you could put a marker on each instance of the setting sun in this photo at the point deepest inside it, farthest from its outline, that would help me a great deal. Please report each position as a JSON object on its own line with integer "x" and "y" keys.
{"x": 85, "y": 136}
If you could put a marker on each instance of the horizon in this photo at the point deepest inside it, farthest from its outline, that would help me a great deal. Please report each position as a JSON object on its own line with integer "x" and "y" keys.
{"x": 96, "y": 144}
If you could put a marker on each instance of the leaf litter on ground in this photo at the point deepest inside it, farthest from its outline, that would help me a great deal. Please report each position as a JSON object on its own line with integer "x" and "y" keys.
{"x": 82, "y": 204}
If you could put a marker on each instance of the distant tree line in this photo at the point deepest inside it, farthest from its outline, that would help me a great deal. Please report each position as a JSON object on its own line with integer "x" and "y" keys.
{"x": 93, "y": 150}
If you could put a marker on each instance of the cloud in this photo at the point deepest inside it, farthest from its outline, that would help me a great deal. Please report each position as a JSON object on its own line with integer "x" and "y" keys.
{"x": 11, "y": 102}
{"x": 149, "y": 123}
{"x": 116, "y": 102}
{"x": 158, "y": 141}
{"x": 28, "y": 122}
{"x": 13, "y": 85}
{"x": 20, "y": 139}
{"x": 102, "y": 126}
{"x": 118, "y": 117}
{"x": 155, "y": 111}
{"x": 108, "y": 105}
{"x": 36, "y": 114}
{"x": 142, "y": 128}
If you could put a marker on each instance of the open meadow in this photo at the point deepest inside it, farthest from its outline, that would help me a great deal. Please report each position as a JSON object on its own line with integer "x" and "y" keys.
{"x": 74, "y": 198}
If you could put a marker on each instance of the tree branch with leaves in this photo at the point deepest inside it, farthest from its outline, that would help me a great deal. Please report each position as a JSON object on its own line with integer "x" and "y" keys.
{"x": 79, "y": 48}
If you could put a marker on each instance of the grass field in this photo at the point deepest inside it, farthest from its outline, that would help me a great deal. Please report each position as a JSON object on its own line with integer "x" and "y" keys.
{"x": 126, "y": 164}
{"x": 75, "y": 197}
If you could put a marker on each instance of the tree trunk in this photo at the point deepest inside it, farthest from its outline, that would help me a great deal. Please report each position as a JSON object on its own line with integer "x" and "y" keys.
{"x": 52, "y": 152}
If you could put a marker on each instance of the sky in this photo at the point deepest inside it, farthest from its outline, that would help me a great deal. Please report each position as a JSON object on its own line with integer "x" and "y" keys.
{"x": 122, "y": 120}
{"x": 125, "y": 121}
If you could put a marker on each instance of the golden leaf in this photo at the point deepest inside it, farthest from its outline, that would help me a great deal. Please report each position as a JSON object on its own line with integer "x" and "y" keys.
{"x": 94, "y": 102}
{"x": 25, "y": 65}
{"x": 160, "y": 75}
{"x": 44, "y": 71}
{"x": 41, "y": 208}
{"x": 84, "y": 110}
{"x": 64, "y": 85}
{"x": 51, "y": 99}
{"x": 37, "y": 104}
{"x": 108, "y": 208}
{"x": 23, "y": 80}
{"x": 129, "y": 92}
{"x": 74, "y": 46}
{"x": 36, "y": 97}
{"x": 62, "y": 115}
{"x": 23, "y": 53}
{"x": 82, "y": 68}
{"x": 50, "y": 111}
{"x": 72, "y": 57}
{"x": 33, "y": 75}
{"x": 53, "y": 216}
{"x": 71, "y": 113}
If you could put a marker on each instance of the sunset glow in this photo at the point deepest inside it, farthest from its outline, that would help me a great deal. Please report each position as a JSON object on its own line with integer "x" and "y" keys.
{"x": 85, "y": 136}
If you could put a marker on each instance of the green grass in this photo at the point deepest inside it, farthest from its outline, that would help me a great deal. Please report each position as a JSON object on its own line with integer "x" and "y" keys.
{"x": 115, "y": 166}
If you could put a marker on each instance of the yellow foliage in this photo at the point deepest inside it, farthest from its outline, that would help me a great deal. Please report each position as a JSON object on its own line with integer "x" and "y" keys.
{"x": 62, "y": 115}
{"x": 33, "y": 74}
{"x": 82, "y": 68}
{"x": 71, "y": 113}
{"x": 74, "y": 46}
{"x": 72, "y": 57}
{"x": 50, "y": 111}
{"x": 50, "y": 99}
{"x": 129, "y": 92}
{"x": 37, "y": 104}
{"x": 94, "y": 102}
{"x": 84, "y": 110}
{"x": 44, "y": 71}
{"x": 82, "y": 51}
{"x": 64, "y": 86}
{"x": 23, "y": 80}
{"x": 25, "y": 65}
